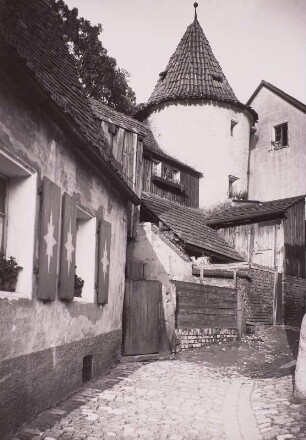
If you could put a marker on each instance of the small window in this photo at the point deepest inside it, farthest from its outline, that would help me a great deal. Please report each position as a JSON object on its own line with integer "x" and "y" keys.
{"x": 169, "y": 173}
{"x": 87, "y": 368}
{"x": 157, "y": 168}
{"x": 232, "y": 190}
{"x": 280, "y": 136}
{"x": 233, "y": 125}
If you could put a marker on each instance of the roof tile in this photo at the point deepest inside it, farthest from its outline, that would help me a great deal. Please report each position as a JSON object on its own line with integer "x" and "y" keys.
{"x": 189, "y": 225}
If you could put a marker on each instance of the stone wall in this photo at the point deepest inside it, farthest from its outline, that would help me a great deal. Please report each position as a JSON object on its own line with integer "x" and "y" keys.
{"x": 294, "y": 293}
{"x": 198, "y": 337}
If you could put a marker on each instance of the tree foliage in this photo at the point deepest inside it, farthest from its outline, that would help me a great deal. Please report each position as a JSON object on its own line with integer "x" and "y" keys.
{"x": 99, "y": 74}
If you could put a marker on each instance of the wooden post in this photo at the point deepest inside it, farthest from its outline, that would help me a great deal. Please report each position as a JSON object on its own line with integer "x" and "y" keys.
{"x": 239, "y": 312}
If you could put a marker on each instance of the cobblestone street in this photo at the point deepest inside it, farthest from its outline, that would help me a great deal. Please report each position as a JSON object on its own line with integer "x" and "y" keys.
{"x": 188, "y": 398}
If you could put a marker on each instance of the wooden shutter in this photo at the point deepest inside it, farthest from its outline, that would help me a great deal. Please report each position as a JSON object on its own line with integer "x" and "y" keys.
{"x": 105, "y": 230}
{"x": 68, "y": 246}
{"x": 49, "y": 236}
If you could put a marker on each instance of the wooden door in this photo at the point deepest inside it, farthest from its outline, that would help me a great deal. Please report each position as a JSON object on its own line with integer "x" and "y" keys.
{"x": 141, "y": 313}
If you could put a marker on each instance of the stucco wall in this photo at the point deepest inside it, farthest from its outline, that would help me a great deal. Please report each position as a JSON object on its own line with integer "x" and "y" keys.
{"x": 163, "y": 262}
{"x": 27, "y": 324}
{"x": 200, "y": 135}
{"x": 281, "y": 173}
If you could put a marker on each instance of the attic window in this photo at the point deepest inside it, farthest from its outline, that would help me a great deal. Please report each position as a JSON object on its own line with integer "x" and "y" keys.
{"x": 157, "y": 168}
{"x": 218, "y": 78}
{"x": 280, "y": 136}
{"x": 163, "y": 75}
{"x": 112, "y": 128}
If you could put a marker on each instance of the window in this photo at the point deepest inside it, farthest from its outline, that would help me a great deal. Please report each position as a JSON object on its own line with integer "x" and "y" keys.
{"x": 157, "y": 168}
{"x": 169, "y": 173}
{"x": 232, "y": 190}
{"x": 233, "y": 125}
{"x": 280, "y": 136}
{"x": 85, "y": 252}
{"x": 18, "y": 194}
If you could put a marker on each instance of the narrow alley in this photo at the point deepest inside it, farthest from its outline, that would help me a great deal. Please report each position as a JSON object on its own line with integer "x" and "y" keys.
{"x": 231, "y": 391}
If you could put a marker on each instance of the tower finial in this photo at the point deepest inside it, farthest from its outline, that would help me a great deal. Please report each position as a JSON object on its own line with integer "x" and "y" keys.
{"x": 195, "y": 5}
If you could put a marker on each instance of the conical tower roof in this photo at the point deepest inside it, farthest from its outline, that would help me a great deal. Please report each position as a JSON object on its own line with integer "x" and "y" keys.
{"x": 193, "y": 72}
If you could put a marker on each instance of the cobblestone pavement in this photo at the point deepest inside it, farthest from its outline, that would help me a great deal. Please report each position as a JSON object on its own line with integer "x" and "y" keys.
{"x": 176, "y": 400}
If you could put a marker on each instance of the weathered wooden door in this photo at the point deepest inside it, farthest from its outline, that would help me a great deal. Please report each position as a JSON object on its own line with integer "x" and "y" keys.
{"x": 141, "y": 313}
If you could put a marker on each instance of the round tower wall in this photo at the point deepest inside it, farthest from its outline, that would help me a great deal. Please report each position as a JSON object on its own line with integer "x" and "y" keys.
{"x": 201, "y": 136}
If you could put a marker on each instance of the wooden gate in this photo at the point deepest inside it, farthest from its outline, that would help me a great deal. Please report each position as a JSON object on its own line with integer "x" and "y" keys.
{"x": 141, "y": 317}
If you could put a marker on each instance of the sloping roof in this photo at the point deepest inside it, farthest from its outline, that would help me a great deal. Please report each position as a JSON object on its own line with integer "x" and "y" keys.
{"x": 193, "y": 72}
{"x": 32, "y": 30}
{"x": 252, "y": 211}
{"x": 189, "y": 225}
{"x": 298, "y": 104}
{"x": 104, "y": 113}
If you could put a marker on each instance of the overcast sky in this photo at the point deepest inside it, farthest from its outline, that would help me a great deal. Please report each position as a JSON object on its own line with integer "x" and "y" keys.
{"x": 252, "y": 39}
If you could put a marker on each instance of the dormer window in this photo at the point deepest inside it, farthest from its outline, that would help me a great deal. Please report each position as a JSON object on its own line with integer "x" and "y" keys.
{"x": 218, "y": 78}
{"x": 280, "y": 136}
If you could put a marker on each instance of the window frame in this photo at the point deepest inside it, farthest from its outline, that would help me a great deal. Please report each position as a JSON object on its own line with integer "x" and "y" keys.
{"x": 280, "y": 140}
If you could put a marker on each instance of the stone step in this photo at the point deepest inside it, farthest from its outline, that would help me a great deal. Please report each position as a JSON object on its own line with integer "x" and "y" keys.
{"x": 147, "y": 357}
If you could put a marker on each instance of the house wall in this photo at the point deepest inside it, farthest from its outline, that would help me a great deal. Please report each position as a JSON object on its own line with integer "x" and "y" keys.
{"x": 200, "y": 136}
{"x": 261, "y": 243}
{"x": 294, "y": 237}
{"x": 190, "y": 184}
{"x": 163, "y": 262}
{"x": 277, "y": 174}
{"x": 43, "y": 342}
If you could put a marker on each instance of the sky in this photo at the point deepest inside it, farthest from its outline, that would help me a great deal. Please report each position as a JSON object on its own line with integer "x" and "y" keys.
{"x": 251, "y": 39}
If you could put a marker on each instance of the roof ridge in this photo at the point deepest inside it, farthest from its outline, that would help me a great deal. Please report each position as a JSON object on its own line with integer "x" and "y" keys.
{"x": 295, "y": 102}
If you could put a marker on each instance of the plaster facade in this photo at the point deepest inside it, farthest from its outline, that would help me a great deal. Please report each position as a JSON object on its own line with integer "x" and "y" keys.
{"x": 280, "y": 173}
{"x": 200, "y": 135}
{"x": 31, "y": 328}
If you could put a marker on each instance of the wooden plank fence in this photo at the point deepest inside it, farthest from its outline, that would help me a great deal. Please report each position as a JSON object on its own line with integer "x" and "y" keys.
{"x": 202, "y": 306}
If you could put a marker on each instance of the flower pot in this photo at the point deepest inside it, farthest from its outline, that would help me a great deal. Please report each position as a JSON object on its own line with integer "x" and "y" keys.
{"x": 9, "y": 284}
{"x": 78, "y": 292}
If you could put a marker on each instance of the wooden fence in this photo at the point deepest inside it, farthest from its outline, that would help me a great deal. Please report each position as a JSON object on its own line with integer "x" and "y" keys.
{"x": 205, "y": 306}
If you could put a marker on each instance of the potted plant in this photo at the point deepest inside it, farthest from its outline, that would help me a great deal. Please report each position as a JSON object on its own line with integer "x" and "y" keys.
{"x": 9, "y": 270}
{"x": 78, "y": 286}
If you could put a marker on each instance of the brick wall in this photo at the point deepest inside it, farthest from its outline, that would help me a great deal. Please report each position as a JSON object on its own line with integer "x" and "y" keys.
{"x": 294, "y": 292}
{"x": 258, "y": 295}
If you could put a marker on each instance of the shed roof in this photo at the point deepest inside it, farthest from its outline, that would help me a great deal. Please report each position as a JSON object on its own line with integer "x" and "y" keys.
{"x": 297, "y": 104}
{"x": 104, "y": 113}
{"x": 252, "y": 211}
{"x": 32, "y": 30}
{"x": 193, "y": 72}
{"x": 189, "y": 225}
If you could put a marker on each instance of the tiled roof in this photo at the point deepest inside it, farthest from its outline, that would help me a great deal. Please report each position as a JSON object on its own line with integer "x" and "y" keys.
{"x": 32, "y": 30}
{"x": 189, "y": 225}
{"x": 104, "y": 113}
{"x": 297, "y": 104}
{"x": 252, "y": 211}
{"x": 193, "y": 72}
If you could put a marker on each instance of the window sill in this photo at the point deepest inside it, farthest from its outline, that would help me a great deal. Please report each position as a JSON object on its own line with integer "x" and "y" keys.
{"x": 4, "y": 294}
{"x": 82, "y": 300}
{"x": 166, "y": 182}
{"x": 278, "y": 148}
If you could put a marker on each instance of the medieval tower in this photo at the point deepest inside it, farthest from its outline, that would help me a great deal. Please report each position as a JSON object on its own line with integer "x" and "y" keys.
{"x": 196, "y": 117}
